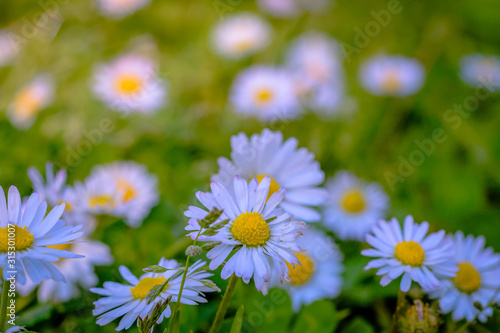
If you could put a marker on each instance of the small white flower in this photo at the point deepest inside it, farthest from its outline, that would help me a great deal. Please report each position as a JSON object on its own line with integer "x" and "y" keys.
{"x": 257, "y": 235}
{"x": 477, "y": 280}
{"x": 129, "y": 300}
{"x": 130, "y": 83}
{"x": 30, "y": 100}
{"x": 8, "y": 49}
{"x": 290, "y": 8}
{"x": 289, "y": 167}
{"x": 410, "y": 253}
{"x": 319, "y": 274}
{"x": 240, "y": 35}
{"x": 353, "y": 206}
{"x": 97, "y": 195}
{"x": 479, "y": 70}
{"x": 120, "y": 8}
{"x": 265, "y": 92}
{"x": 392, "y": 76}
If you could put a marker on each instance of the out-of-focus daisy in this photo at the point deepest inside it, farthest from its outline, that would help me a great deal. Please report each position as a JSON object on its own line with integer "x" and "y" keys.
{"x": 78, "y": 272}
{"x": 289, "y": 8}
{"x": 477, "y": 280}
{"x": 97, "y": 195}
{"x": 137, "y": 189}
{"x": 129, "y": 300}
{"x": 30, "y": 100}
{"x": 35, "y": 237}
{"x": 240, "y": 35}
{"x": 479, "y": 70}
{"x": 392, "y": 76}
{"x": 130, "y": 83}
{"x": 265, "y": 92}
{"x": 410, "y": 253}
{"x": 319, "y": 274}
{"x": 353, "y": 206}
{"x": 120, "y": 8}
{"x": 289, "y": 167}
{"x": 257, "y": 236}
{"x": 8, "y": 50}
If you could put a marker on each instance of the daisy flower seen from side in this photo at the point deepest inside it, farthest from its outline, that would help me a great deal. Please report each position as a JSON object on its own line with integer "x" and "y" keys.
{"x": 289, "y": 167}
{"x": 396, "y": 76}
{"x": 118, "y": 9}
{"x": 36, "y": 235}
{"x": 477, "y": 280}
{"x": 353, "y": 206}
{"x": 265, "y": 92}
{"x": 478, "y": 70}
{"x": 240, "y": 35}
{"x": 130, "y": 83}
{"x": 129, "y": 302}
{"x": 256, "y": 236}
{"x": 411, "y": 253}
{"x": 319, "y": 274}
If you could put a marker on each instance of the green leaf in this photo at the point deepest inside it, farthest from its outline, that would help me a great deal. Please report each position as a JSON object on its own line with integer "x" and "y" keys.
{"x": 358, "y": 325}
{"x": 238, "y": 320}
{"x": 319, "y": 317}
{"x": 155, "y": 269}
{"x": 210, "y": 285}
{"x": 35, "y": 315}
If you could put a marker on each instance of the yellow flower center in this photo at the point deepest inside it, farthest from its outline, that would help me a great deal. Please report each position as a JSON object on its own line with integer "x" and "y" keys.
{"x": 410, "y": 253}
{"x": 26, "y": 103}
{"x": 243, "y": 45}
{"x": 128, "y": 84}
{"x": 263, "y": 96}
{"x": 17, "y": 237}
{"x": 141, "y": 290}
{"x": 126, "y": 189}
{"x": 69, "y": 207}
{"x": 103, "y": 201}
{"x": 353, "y": 201}
{"x": 300, "y": 274}
{"x": 250, "y": 229}
{"x": 468, "y": 279}
{"x": 65, "y": 246}
{"x": 273, "y": 187}
{"x": 391, "y": 82}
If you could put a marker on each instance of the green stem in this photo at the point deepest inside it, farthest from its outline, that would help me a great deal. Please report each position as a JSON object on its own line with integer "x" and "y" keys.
{"x": 399, "y": 305}
{"x": 221, "y": 312}
{"x": 3, "y": 305}
{"x": 464, "y": 326}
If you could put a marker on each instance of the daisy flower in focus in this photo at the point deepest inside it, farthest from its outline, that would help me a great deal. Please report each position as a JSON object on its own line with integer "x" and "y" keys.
{"x": 129, "y": 300}
{"x": 136, "y": 188}
{"x": 290, "y": 8}
{"x": 30, "y": 100}
{"x": 8, "y": 50}
{"x": 478, "y": 70}
{"x": 319, "y": 274}
{"x": 287, "y": 166}
{"x": 120, "y": 8}
{"x": 410, "y": 253}
{"x": 240, "y": 35}
{"x": 130, "y": 83}
{"x": 36, "y": 236}
{"x": 477, "y": 280}
{"x": 78, "y": 272}
{"x": 396, "y": 76}
{"x": 256, "y": 236}
{"x": 265, "y": 92}
{"x": 353, "y": 206}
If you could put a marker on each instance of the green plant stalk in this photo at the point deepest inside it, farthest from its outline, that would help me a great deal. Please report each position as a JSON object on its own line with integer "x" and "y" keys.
{"x": 221, "y": 312}
{"x": 399, "y": 305}
{"x": 3, "y": 305}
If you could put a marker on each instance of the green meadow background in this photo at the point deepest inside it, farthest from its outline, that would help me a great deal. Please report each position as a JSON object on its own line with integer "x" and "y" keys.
{"x": 456, "y": 186}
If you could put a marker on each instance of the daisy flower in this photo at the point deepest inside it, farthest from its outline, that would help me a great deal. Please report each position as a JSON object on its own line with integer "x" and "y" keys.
{"x": 8, "y": 49}
{"x": 319, "y": 274}
{"x": 137, "y": 189}
{"x": 477, "y": 280}
{"x": 30, "y": 100}
{"x": 129, "y": 300}
{"x": 78, "y": 272}
{"x": 265, "y": 92}
{"x": 478, "y": 70}
{"x": 34, "y": 234}
{"x": 130, "y": 83}
{"x": 257, "y": 235}
{"x": 97, "y": 195}
{"x": 240, "y": 35}
{"x": 353, "y": 206}
{"x": 288, "y": 166}
{"x": 410, "y": 253}
{"x": 290, "y": 8}
{"x": 120, "y": 8}
{"x": 396, "y": 76}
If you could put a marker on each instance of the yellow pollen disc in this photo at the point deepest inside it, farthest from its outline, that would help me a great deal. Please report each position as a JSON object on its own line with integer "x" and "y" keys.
{"x": 26, "y": 103}
{"x": 263, "y": 96}
{"x": 250, "y": 229}
{"x": 300, "y": 274}
{"x": 104, "y": 201}
{"x": 60, "y": 246}
{"x": 468, "y": 279}
{"x": 69, "y": 206}
{"x": 128, "y": 84}
{"x": 391, "y": 82}
{"x": 126, "y": 189}
{"x": 22, "y": 237}
{"x": 353, "y": 201}
{"x": 410, "y": 253}
{"x": 273, "y": 187}
{"x": 243, "y": 45}
{"x": 141, "y": 290}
